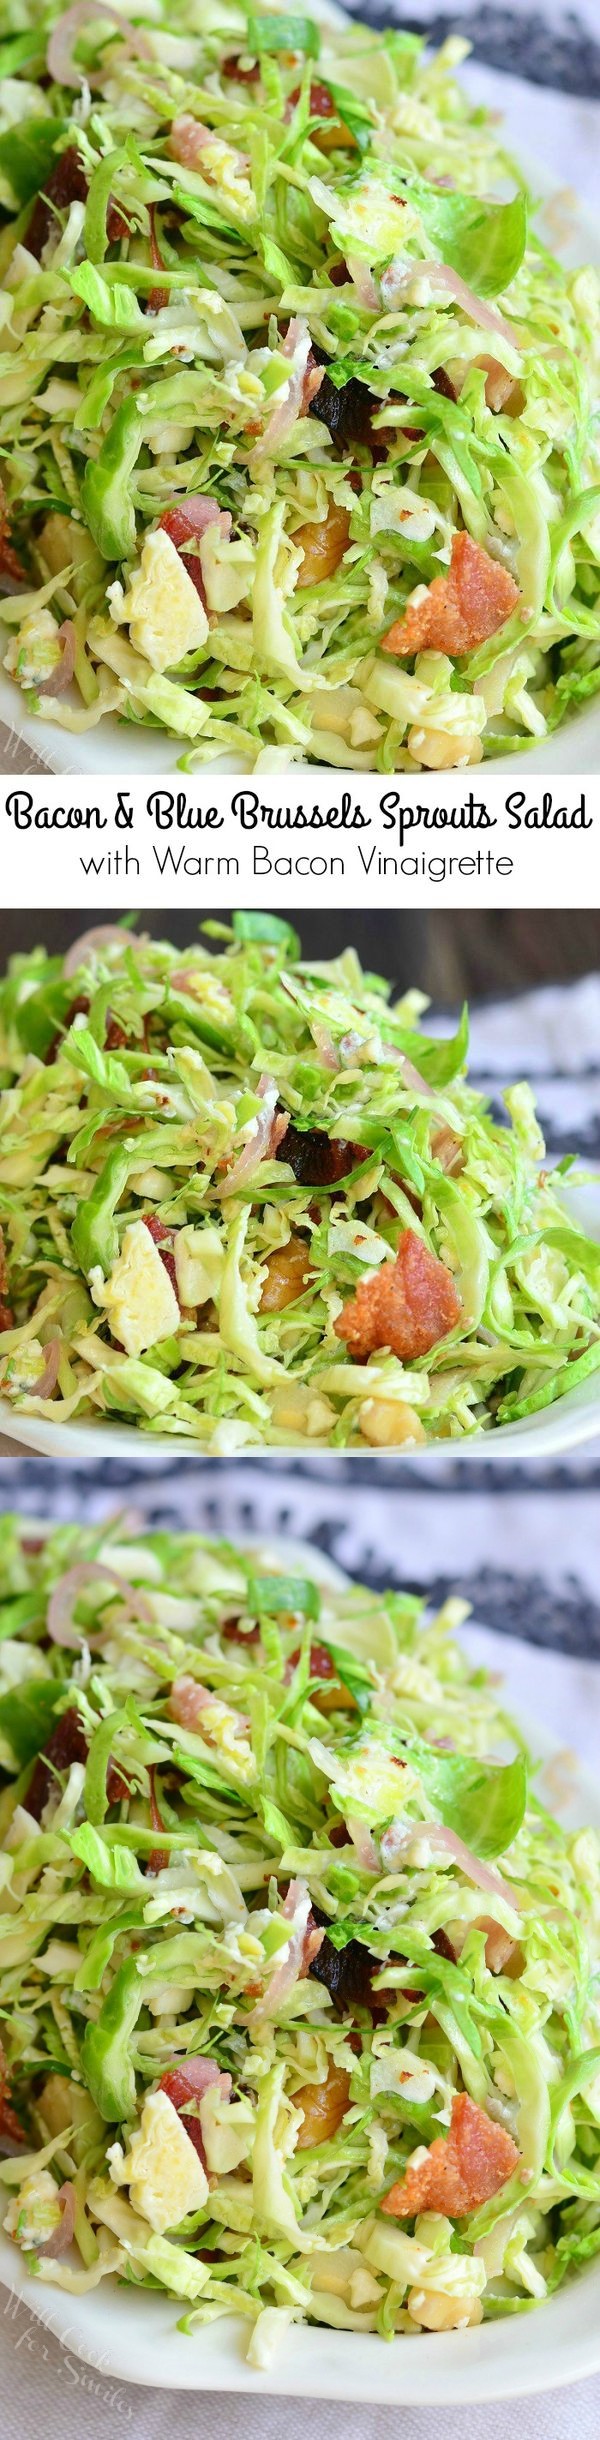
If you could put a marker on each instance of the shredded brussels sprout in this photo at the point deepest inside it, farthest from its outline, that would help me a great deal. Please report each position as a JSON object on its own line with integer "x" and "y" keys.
{"x": 299, "y": 1977}
{"x": 245, "y": 1198}
{"x": 298, "y": 421}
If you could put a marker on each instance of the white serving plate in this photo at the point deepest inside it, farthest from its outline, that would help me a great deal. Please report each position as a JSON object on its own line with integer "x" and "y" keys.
{"x": 566, "y": 1425}
{"x": 131, "y": 2337}
{"x": 117, "y": 748}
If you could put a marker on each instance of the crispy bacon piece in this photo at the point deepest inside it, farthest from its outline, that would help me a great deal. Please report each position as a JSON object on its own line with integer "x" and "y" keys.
{"x": 115, "y": 1037}
{"x": 66, "y": 1743}
{"x": 163, "y": 1238}
{"x": 460, "y": 2170}
{"x": 331, "y": 1694}
{"x": 407, "y": 1305}
{"x": 232, "y": 1634}
{"x": 11, "y": 2132}
{"x": 443, "y": 1946}
{"x": 317, "y": 1159}
{"x": 443, "y": 384}
{"x": 117, "y": 1787}
{"x": 185, "y": 523}
{"x": 322, "y": 546}
{"x": 66, "y": 184}
{"x": 243, "y": 76}
{"x": 187, "y": 2082}
{"x": 324, "y": 2107}
{"x": 457, "y": 611}
{"x": 117, "y": 226}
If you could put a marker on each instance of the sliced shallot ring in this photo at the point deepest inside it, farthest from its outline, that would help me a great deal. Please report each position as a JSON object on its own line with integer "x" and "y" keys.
{"x": 62, "y": 1601}
{"x": 46, "y": 1382}
{"x": 59, "y": 56}
{"x": 62, "y": 2236}
{"x": 99, "y": 937}
{"x": 61, "y": 677}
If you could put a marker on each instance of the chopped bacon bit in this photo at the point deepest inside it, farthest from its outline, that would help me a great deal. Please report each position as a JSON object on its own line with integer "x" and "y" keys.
{"x": 443, "y": 1946}
{"x": 186, "y": 2083}
{"x": 163, "y": 1238}
{"x": 117, "y": 226}
{"x": 232, "y": 1633}
{"x": 460, "y": 610}
{"x": 115, "y": 1038}
{"x": 460, "y": 2170}
{"x": 117, "y": 1787}
{"x": 185, "y": 524}
{"x": 322, "y": 546}
{"x": 407, "y": 1305}
{"x": 443, "y": 385}
{"x": 178, "y": 2090}
{"x": 318, "y": 1159}
{"x": 243, "y": 76}
{"x": 66, "y": 184}
{"x": 7, "y": 1319}
{"x": 66, "y": 1743}
{"x": 324, "y": 2106}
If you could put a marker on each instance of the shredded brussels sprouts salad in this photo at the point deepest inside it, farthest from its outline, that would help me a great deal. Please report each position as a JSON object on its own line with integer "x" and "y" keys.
{"x": 299, "y": 1977}
{"x": 245, "y": 1199}
{"x": 297, "y": 410}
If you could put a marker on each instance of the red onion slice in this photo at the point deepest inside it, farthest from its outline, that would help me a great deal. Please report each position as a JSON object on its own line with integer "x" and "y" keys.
{"x": 271, "y": 1126}
{"x": 285, "y": 413}
{"x": 365, "y": 1846}
{"x": 61, "y": 677}
{"x": 297, "y": 1909}
{"x": 100, "y": 936}
{"x": 325, "y": 1046}
{"x": 60, "y": 62}
{"x": 398, "y": 278}
{"x": 46, "y": 1382}
{"x": 200, "y": 2074}
{"x": 62, "y": 2236}
{"x": 363, "y": 282}
{"x": 400, "y": 1836}
{"x": 62, "y": 1601}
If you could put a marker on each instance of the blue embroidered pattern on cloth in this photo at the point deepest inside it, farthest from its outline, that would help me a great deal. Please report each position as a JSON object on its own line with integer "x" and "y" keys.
{"x": 519, "y": 1544}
